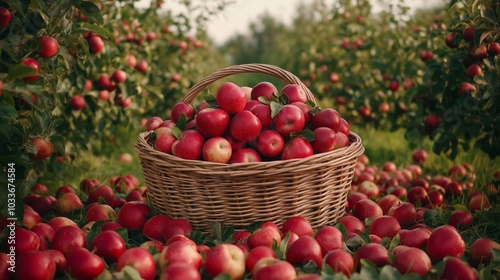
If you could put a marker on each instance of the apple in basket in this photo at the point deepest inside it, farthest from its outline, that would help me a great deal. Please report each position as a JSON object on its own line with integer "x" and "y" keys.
{"x": 241, "y": 125}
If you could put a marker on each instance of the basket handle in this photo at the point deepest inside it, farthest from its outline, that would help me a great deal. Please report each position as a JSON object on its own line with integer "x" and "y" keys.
{"x": 247, "y": 68}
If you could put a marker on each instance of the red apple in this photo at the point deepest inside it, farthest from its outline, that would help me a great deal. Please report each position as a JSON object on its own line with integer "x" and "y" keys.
{"x": 405, "y": 213}
{"x": 298, "y": 225}
{"x": 297, "y": 147}
{"x": 4, "y": 16}
{"x": 113, "y": 226}
{"x": 264, "y": 89}
{"x": 68, "y": 203}
{"x": 445, "y": 241}
{"x": 177, "y": 226}
{"x": 481, "y": 251}
{"x": 353, "y": 198}
{"x": 324, "y": 140}
{"x": 48, "y": 46}
{"x": 431, "y": 122}
{"x": 225, "y": 258}
{"x": 352, "y": 224}
{"x": 59, "y": 259}
{"x": 231, "y": 98}
{"x": 340, "y": 261}
{"x": 263, "y": 113}
{"x": 328, "y": 118}
{"x": 366, "y": 208}
{"x": 67, "y": 239}
{"x": 217, "y": 149}
{"x": 182, "y": 108}
{"x": 478, "y": 52}
{"x": 473, "y": 70}
{"x": 460, "y": 219}
{"x": 180, "y": 271}
{"x": 273, "y": 269}
{"x": 58, "y": 222}
{"x": 142, "y": 66}
{"x": 103, "y": 192}
{"x": 100, "y": 212}
{"x": 419, "y": 156}
{"x": 455, "y": 268}
{"x": 370, "y": 189}
{"x": 412, "y": 260}
{"x": 245, "y": 155}
{"x": 416, "y": 237}
{"x": 385, "y": 226}
{"x": 96, "y": 45}
{"x": 450, "y": 40}
{"x": 478, "y": 202}
{"x": 245, "y": 126}
{"x": 44, "y": 148}
{"x": 35, "y": 265}
{"x": 388, "y": 201}
{"x": 270, "y": 143}
{"x": 119, "y": 76}
{"x": 212, "y": 122}
{"x": 342, "y": 140}
{"x": 394, "y": 86}
{"x": 426, "y": 55}
{"x": 134, "y": 214}
{"x": 131, "y": 60}
{"x": 25, "y": 241}
{"x": 189, "y": 145}
{"x": 294, "y": 92}
{"x": 104, "y": 82}
{"x": 329, "y": 238}
{"x": 30, "y": 218}
{"x": 45, "y": 233}
{"x": 108, "y": 245}
{"x": 155, "y": 226}
{"x": 373, "y": 252}
{"x": 264, "y": 236}
{"x": 180, "y": 251}
{"x": 30, "y": 62}
{"x": 256, "y": 254}
{"x": 290, "y": 119}
{"x": 141, "y": 260}
{"x": 494, "y": 49}
{"x": 304, "y": 250}
{"x": 418, "y": 195}
{"x": 466, "y": 88}
{"x": 250, "y": 104}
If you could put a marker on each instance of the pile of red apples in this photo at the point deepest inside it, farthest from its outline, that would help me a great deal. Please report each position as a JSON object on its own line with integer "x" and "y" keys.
{"x": 242, "y": 124}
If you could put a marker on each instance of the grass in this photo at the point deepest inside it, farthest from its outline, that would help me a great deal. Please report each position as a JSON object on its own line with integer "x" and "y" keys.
{"x": 382, "y": 146}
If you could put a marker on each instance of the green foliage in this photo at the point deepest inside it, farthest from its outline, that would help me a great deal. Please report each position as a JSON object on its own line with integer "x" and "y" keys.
{"x": 174, "y": 47}
{"x": 371, "y": 66}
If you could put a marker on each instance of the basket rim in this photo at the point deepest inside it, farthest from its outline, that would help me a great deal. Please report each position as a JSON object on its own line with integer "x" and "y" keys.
{"x": 143, "y": 148}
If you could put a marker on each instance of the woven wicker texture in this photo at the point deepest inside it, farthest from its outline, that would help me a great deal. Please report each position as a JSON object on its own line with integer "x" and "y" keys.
{"x": 236, "y": 195}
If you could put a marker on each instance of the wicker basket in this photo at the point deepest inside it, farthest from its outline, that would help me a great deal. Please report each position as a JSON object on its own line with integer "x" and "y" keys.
{"x": 236, "y": 195}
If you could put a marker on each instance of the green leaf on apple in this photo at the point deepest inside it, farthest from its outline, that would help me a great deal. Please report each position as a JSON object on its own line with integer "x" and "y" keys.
{"x": 253, "y": 226}
{"x": 21, "y": 71}
{"x": 198, "y": 236}
{"x": 343, "y": 230}
{"x": 307, "y": 134}
{"x": 389, "y": 272}
{"x": 216, "y": 232}
{"x": 94, "y": 231}
{"x": 314, "y": 110}
{"x": 223, "y": 276}
{"x": 123, "y": 232}
{"x": 368, "y": 270}
{"x": 86, "y": 27}
{"x": 91, "y": 11}
{"x": 283, "y": 99}
{"x": 176, "y": 132}
{"x": 263, "y": 100}
{"x": 394, "y": 242}
{"x": 182, "y": 122}
{"x": 275, "y": 108}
